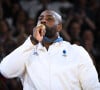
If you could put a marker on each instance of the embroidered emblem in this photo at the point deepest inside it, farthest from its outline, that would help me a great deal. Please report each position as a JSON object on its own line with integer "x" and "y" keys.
{"x": 64, "y": 53}
{"x": 35, "y": 53}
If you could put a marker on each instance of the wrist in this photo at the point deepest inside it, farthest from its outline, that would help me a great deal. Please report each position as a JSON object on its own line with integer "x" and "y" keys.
{"x": 33, "y": 40}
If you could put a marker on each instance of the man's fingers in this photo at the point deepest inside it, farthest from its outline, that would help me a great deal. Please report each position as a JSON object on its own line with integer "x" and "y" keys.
{"x": 38, "y": 33}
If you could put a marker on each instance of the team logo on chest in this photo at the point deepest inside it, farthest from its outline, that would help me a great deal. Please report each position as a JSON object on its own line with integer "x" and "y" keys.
{"x": 64, "y": 53}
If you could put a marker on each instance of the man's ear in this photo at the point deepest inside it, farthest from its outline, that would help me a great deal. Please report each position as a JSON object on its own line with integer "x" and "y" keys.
{"x": 59, "y": 27}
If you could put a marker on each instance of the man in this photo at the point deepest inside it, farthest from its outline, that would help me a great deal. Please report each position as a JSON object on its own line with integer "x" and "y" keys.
{"x": 46, "y": 62}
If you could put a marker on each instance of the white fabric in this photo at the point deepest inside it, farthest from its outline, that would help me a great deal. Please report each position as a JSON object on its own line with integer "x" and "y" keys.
{"x": 52, "y": 69}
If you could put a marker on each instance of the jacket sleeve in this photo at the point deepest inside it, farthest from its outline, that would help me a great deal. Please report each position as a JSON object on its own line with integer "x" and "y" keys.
{"x": 13, "y": 65}
{"x": 87, "y": 73}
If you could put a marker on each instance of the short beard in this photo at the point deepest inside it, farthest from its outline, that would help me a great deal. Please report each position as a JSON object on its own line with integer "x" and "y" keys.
{"x": 51, "y": 32}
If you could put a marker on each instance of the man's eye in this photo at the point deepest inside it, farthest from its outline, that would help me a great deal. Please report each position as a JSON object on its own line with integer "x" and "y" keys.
{"x": 49, "y": 19}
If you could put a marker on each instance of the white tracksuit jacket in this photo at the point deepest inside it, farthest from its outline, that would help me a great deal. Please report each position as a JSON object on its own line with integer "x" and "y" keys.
{"x": 62, "y": 67}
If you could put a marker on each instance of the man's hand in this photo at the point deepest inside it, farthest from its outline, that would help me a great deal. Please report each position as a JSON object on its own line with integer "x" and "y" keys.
{"x": 38, "y": 33}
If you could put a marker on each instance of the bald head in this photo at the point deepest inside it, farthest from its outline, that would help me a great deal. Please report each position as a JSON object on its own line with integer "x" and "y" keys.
{"x": 57, "y": 16}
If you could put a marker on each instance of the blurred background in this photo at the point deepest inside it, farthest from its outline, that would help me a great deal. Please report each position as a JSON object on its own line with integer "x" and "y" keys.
{"x": 81, "y": 26}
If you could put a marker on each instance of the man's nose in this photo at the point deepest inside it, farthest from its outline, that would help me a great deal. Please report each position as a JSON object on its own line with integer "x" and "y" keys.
{"x": 43, "y": 21}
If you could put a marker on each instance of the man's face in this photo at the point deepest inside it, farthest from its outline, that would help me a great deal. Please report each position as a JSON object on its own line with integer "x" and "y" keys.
{"x": 50, "y": 21}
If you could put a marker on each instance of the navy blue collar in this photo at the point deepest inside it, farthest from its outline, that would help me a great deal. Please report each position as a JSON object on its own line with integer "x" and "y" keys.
{"x": 52, "y": 41}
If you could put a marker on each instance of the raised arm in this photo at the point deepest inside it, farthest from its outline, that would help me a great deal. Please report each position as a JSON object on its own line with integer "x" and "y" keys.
{"x": 13, "y": 64}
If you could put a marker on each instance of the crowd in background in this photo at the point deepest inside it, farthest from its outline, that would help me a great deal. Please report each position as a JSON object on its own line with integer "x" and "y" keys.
{"x": 81, "y": 26}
